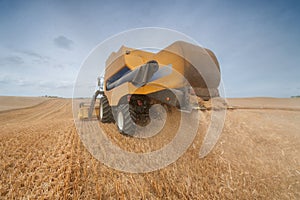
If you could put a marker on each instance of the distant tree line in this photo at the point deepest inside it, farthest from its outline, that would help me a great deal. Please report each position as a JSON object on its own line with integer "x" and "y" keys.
{"x": 49, "y": 96}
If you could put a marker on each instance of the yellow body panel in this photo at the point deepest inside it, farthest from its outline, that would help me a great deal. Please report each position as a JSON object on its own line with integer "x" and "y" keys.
{"x": 128, "y": 88}
{"x": 115, "y": 94}
{"x": 174, "y": 55}
{"x": 84, "y": 112}
{"x": 129, "y": 57}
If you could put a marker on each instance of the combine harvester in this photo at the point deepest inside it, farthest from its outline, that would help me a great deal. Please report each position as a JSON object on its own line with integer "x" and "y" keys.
{"x": 135, "y": 80}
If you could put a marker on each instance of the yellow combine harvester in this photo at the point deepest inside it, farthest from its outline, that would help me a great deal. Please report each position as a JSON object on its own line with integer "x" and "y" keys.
{"x": 135, "y": 80}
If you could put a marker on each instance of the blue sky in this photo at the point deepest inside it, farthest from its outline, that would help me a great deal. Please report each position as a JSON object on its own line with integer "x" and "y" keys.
{"x": 43, "y": 43}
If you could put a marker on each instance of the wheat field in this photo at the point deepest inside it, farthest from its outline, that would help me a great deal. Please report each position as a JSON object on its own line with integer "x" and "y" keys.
{"x": 256, "y": 157}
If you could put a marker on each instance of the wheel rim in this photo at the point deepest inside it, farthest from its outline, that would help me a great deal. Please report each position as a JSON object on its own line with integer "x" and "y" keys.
{"x": 101, "y": 110}
{"x": 120, "y": 121}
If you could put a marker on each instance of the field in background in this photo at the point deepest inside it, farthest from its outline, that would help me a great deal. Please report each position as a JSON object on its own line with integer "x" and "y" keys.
{"x": 266, "y": 103}
{"x": 257, "y": 156}
{"x": 11, "y": 102}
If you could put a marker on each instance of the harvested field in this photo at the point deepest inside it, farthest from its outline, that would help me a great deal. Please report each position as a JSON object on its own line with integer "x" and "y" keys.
{"x": 257, "y": 156}
{"x": 11, "y": 102}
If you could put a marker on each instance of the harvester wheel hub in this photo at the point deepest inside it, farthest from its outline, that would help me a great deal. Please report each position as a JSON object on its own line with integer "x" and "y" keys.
{"x": 120, "y": 120}
{"x": 101, "y": 110}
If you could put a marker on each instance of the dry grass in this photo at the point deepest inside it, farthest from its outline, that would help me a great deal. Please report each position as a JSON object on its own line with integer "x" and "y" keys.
{"x": 257, "y": 157}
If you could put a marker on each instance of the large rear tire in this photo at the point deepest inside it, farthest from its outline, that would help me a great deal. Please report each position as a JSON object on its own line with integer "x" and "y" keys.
{"x": 124, "y": 121}
{"x": 105, "y": 112}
